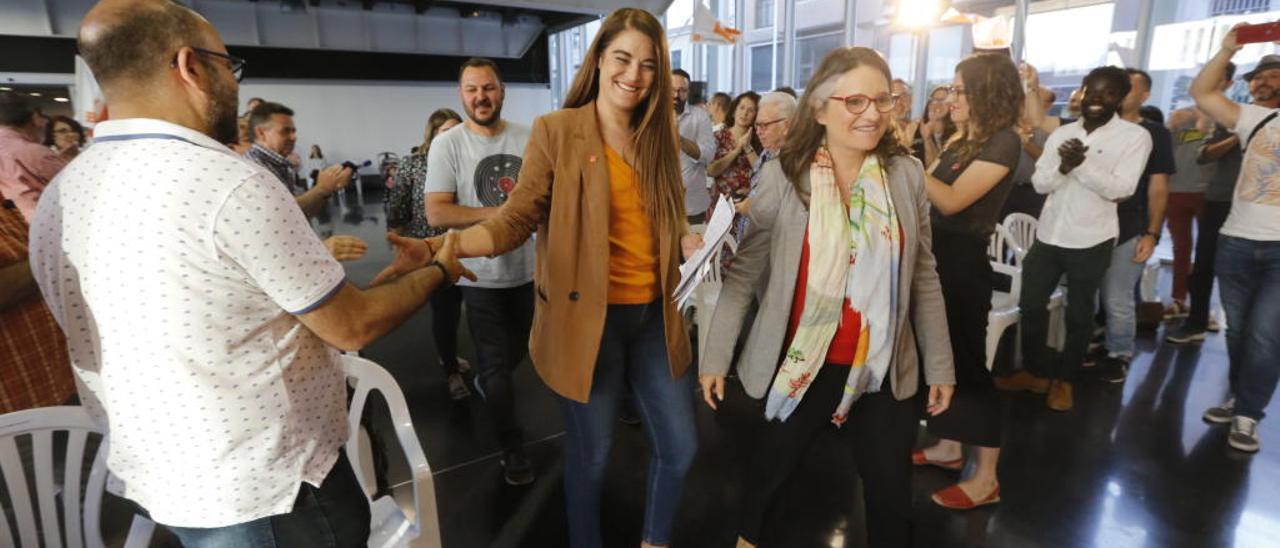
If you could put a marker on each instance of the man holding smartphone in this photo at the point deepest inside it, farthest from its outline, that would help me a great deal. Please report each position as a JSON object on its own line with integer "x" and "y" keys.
{"x": 1248, "y": 259}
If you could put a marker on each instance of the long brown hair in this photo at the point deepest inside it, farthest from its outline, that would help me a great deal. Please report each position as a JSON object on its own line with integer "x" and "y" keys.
{"x": 437, "y": 119}
{"x": 806, "y": 134}
{"x": 993, "y": 89}
{"x": 656, "y": 152}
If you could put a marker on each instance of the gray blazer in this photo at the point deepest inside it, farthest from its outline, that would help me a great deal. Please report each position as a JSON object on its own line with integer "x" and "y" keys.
{"x": 770, "y": 254}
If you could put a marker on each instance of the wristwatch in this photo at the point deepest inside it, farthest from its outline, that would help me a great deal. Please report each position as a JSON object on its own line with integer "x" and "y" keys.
{"x": 1154, "y": 235}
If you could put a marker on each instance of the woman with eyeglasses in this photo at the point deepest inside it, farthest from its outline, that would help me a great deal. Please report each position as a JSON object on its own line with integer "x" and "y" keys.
{"x": 967, "y": 186}
{"x": 936, "y": 126}
{"x": 65, "y": 136}
{"x": 841, "y": 242}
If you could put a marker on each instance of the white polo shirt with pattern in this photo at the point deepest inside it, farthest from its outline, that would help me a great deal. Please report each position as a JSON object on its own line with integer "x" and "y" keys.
{"x": 176, "y": 269}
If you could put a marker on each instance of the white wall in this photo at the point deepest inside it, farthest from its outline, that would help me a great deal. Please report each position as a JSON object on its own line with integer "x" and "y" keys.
{"x": 355, "y": 120}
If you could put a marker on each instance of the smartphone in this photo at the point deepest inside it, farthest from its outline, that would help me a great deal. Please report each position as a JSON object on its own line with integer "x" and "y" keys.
{"x": 1252, "y": 34}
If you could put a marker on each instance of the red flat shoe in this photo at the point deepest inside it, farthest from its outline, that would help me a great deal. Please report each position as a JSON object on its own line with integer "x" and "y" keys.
{"x": 918, "y": 459}
{"x": 954, "y": 497}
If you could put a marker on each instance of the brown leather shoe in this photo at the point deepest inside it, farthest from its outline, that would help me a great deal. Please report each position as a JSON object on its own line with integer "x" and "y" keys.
{"x": 1060, "y": 398}
{"x": 1022, "y": 380}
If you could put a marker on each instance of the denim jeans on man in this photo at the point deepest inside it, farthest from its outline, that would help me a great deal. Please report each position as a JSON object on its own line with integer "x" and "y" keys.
{"x": 633, "y": 346}
{"x": 1118, "y": 300}
{"x": 500, "y": 320}
{"x": 334, "y": 515}
{"x": 1249, "y": 283}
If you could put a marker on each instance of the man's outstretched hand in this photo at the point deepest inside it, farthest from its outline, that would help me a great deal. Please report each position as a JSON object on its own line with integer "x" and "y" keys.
{"x": 410, "y": 254}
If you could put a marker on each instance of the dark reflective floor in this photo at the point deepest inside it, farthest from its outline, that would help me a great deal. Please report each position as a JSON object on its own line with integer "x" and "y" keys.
{"x": 1132, "y": 467}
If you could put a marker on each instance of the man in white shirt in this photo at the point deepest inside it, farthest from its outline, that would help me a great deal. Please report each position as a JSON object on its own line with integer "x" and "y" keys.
{"x": 203, "y": 329}
{"x": 471, "y": 171}
{"x": 697, "y": 149}
{"x": 1248, "y": 260}
{"x": 1086, "y": 168}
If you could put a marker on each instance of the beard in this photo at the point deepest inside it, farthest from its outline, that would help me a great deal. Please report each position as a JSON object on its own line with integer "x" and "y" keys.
{"x": 1263, "y": 93}
{"x": 680, "y": 104}
{"x": 493, "y": 117}
{"x": 220, "y": 118}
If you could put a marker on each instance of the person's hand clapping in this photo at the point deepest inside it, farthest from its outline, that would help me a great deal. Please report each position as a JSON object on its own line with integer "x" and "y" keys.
{"x": 1072, "y": 154}
{"x": 744, "y": 142}
{"x": 333, "y": 178}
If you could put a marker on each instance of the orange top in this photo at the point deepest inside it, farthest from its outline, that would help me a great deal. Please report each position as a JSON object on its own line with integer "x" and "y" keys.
{"x": 633, "y": 254}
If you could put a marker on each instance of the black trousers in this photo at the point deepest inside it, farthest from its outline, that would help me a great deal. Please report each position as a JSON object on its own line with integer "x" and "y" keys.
{"x": 500, "y": 321}
{"x": 1200, "y": 284}
{"x": 446, "y": 314}
{"x": 1041, "y": 270}
{"x": 881, "y": 432}
{"x": 966, "y": 277}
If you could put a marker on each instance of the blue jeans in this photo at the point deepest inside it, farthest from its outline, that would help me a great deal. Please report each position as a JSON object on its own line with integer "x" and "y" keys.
{"x": 633, "y": 346}
{"x": 1118, "y": 300}
{"x": 334, "y": 515}
{"x": 1249, "y": 283}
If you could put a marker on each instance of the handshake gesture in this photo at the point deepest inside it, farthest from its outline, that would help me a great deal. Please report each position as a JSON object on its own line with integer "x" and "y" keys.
{"x": 413, "y": 254}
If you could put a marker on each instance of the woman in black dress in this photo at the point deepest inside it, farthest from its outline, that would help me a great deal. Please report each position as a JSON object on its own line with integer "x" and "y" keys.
{"x": 967, "y": 186}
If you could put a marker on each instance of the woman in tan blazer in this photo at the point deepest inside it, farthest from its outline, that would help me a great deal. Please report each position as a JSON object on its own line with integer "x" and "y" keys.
{"x": 840, "y": 239}
{"x": 601, "y": 187}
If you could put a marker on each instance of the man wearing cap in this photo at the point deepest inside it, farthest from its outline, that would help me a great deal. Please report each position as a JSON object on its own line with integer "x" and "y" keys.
{"x": 1248, "y": 258}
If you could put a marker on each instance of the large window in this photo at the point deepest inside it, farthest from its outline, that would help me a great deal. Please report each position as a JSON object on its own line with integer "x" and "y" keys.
{"x": 762, "y": 67}
{"x": 764, "y": 13}
{"x": 809, "y": 53}
{"x": 1186, "y": 34}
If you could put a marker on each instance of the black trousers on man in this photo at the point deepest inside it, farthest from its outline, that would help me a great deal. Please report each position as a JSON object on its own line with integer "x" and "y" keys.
{"x": 499, "y": 320}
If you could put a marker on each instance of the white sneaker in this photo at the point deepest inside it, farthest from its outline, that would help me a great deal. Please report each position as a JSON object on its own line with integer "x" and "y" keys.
{"x": 1244, "y": 434}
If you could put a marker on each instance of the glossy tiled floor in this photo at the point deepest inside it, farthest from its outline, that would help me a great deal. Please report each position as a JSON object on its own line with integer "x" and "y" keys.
{"x": 1132, "y": 467}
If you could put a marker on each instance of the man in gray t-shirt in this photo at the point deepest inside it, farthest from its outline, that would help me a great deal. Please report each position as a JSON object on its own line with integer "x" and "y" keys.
{"x": 470, "y": 172}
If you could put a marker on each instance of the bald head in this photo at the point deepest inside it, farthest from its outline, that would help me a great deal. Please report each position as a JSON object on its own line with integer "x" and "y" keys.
{"x": 130, "y": 42}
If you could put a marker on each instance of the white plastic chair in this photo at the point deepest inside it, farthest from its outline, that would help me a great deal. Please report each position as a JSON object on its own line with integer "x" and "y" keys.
{"x": 393, "y": 523}
{"x": 1021, "y": 229}
{"x": 81, "y": 524}
{"x": 1004, "y": 306}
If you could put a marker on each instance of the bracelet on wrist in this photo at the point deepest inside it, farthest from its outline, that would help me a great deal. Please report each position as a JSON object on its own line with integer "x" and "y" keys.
{"x": 444, "y": 273}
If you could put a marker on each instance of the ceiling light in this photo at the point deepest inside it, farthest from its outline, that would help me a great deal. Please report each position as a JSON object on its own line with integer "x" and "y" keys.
{"x": 61, "y": 99}
{"x": 6, "y": 88}
{"x": 34, "y": 94}
{"x": 918, "y": 14}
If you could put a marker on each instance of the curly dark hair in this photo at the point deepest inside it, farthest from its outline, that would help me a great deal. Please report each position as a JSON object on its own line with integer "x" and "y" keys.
{"x": 70, "y": 122}
{"x": 994, "y": 91}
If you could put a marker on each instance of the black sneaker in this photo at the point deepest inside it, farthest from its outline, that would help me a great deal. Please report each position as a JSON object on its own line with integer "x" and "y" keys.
{"x": 1221, "y": 414}
{"x": 516, "y": 468}
{"x": 1095, "y": 356}
{"x": 1244, "y": 434}
{"x": 1184, "y": 335}
{"x": 1115, "y": 369}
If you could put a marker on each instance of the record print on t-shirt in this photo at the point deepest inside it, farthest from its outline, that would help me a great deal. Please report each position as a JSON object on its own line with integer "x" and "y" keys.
{"x": 495, "y": 178}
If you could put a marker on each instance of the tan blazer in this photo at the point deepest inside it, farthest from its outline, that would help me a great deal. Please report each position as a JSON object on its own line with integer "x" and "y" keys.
{"x": 563, "y": 195}
{"x": 770, "y": 255}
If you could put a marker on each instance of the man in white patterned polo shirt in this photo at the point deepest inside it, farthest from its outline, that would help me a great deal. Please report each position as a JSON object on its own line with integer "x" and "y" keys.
{"x": 202, "y": 325}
